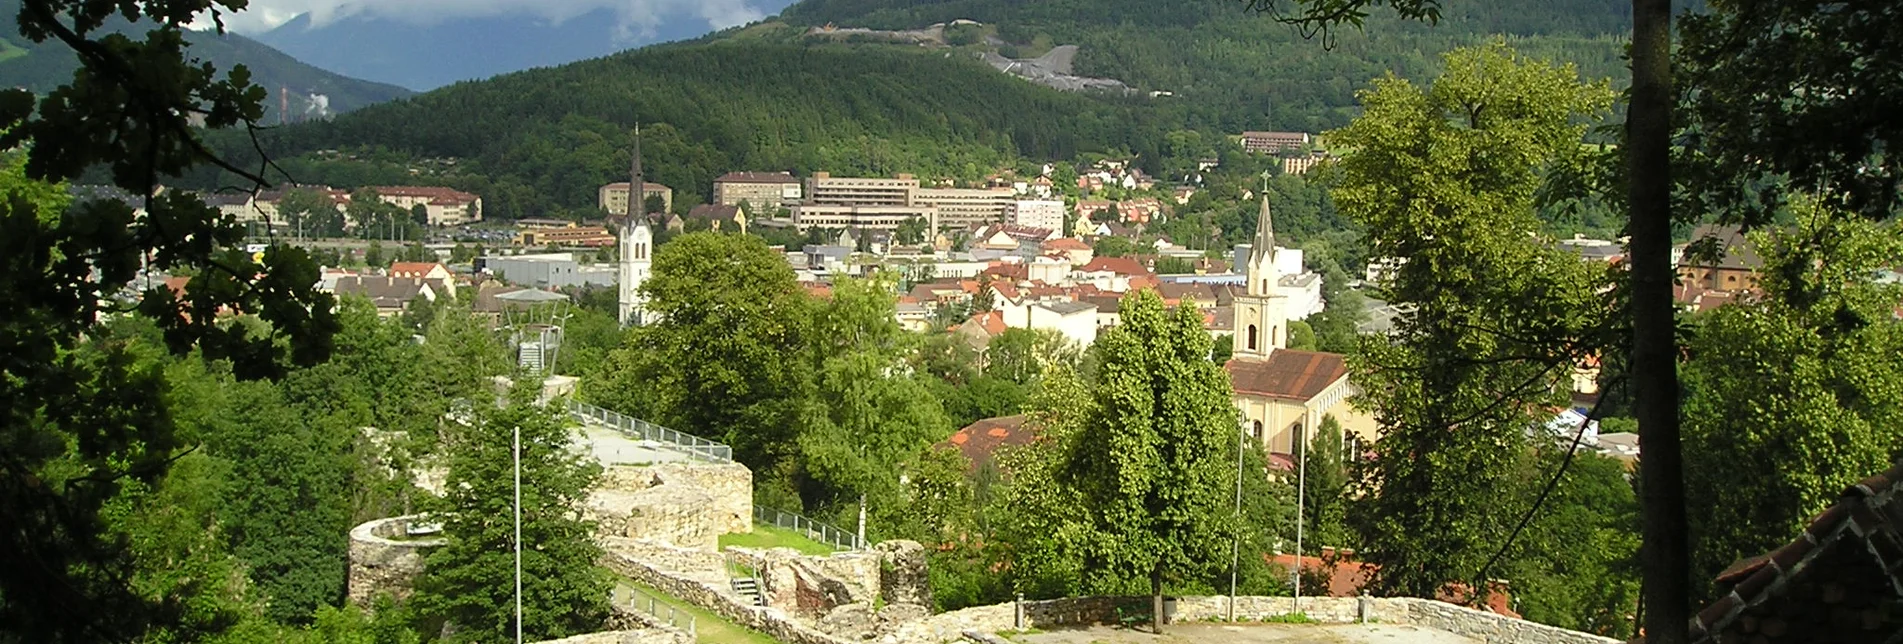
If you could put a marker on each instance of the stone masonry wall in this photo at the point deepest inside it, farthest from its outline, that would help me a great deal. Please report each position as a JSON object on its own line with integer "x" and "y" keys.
{"x": 772, "y": 621}
{"x": 1481, "y": 626}
{"x": 688, "y": 505}
{"x": 382, "y": 564}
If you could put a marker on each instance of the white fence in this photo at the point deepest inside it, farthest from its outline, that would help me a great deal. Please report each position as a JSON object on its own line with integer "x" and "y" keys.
{"x": 643, "y": 430}
{"x": 817, "y": 531}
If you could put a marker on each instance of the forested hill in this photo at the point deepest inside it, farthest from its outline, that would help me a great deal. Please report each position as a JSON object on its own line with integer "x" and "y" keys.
{"x": 1243, "y": 69}
{"x": 40, "y": 67}
{"x": 768, "y": 97}
{"x": 543, "y": 140}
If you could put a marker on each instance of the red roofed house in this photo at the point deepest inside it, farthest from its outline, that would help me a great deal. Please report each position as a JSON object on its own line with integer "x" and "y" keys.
{"x": 1345, "y": 577}
{"x": 1284, "y": 393}
{"x": 1070, "y": 249}
{"x": 445, "y": 206}
{"x": 980, "y": 441}
{"x": 1114, "y": 274}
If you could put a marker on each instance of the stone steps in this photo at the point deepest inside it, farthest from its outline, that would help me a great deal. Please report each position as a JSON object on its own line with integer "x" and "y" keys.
{"x": 749, "y": 588}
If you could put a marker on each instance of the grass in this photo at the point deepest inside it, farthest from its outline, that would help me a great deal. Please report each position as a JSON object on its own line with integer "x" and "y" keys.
{"x": 764, "y": 536}
{"x": 708, "y": 627}
{"x": 1289, "y": 618}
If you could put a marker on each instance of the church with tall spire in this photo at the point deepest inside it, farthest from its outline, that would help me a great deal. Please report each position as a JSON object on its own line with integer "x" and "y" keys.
{"x": 636, "y": 243}
{"x": 1283, "y": 393}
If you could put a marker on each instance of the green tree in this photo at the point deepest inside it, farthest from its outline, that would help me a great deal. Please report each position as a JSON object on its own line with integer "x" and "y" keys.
{"x": 1022, "y": 355}
{"x": 1325, "y": 488}
{"x": 724, "y": 360}
{"x": 469, "y": 581}
{"x": 79, "y": 433}
{"x": 1109, "y": 246}
{"x": 913, "y": 231}
{"x": 1151, "y": 468}
{"x": 310, "y": 213}
{"x": 367, "y": 213}
{"x": 1580, "y": 569}
{"x": 1174, "y": 266}
{"x": 1301, "y": 336}
{"x": 1489, "y": 344}
{"x": 1795, "y": 397}
{"x": 460, "y": 254}
{"x": 373, "y": 256}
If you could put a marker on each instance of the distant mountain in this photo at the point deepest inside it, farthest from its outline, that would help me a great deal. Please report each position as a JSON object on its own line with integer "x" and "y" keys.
{"x": 427, "y": 56}
{"x": 307, "y": 91}
{"x": 808, "y": 92}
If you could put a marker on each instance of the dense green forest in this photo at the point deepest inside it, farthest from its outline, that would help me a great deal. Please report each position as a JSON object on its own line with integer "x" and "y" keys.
{"x": 540, "y": 142}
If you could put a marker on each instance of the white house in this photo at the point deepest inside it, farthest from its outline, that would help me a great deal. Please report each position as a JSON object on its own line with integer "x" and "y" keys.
{"x": 1075, "y": 320}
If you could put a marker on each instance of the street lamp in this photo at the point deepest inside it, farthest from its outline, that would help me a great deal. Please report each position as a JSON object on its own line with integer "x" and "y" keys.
{"x": 518, "y": 533}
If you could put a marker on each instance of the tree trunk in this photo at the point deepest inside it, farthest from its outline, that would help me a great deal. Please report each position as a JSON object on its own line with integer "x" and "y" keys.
{"x": 1654, "y": 355}
{"x": 1156, "y": 599}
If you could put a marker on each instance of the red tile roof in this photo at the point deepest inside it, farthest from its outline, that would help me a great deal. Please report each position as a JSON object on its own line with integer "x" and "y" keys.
{"x": 1118, "y": 265}
{"x": 1066, "y": 243}
{"x": 980, "y": 441}
{"x": 1346, "y": 576}
{"x": 412, "y": 269}
{"x": 1288, "y": 374}
{"x": 1849, "y": 561}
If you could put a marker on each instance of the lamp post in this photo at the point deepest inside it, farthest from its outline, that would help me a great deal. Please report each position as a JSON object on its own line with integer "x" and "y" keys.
{"x": 1301, "y": 501}
{"x": 518, "y": 534}
{"x": 1235, "y": 541}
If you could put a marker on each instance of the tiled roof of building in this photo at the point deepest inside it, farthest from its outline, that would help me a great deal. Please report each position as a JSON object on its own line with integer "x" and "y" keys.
{"x": 1346, "y": 576}
{"x": 1221, "y": 318}
{"x": 1010, "y": 272}
{"x": 1287, "y": 374}
{"x": 1118, "y": 265}
{"x": 1066, "y": 243}
{"x": 1738, "y": 252}
{"x": 385, "y": 292}
{"x": 1830, "y": 584}
{"x": 412, "y": 269}
{"x": 757, "y": 177}
{"x": 979, "y": 441}
{"x": 713, "y": 211}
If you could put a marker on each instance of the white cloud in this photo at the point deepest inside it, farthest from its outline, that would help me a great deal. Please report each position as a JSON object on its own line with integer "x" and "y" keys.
{"x": 638, "y": 18}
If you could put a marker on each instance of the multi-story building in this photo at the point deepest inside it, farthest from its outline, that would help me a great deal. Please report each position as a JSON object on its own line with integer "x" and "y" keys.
{"x": 445, "y": 206}
{"x": 1047, "y": 214}
{"x": 850, "y": 217}
{"x": 757, "y": 189}
{"x": 1301, "y": 164}
{"x": 613, "y": 198}
{"x": 960, "y": 208}
{"x": 1274, "y": 141}
{"x": 566, "y": 237}
{"x": 825, "y": 189}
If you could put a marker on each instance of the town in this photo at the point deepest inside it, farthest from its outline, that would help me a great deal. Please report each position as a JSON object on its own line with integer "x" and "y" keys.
{"x": 827, "y": 321}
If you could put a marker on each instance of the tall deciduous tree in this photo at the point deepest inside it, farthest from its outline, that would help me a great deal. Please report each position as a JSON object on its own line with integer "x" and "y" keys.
{"x": 1445, "y": 176}
{"x": 725, "y": 360}
{"x": 1150, "y": 464}
{"x": 468, "y": 583}
{"x": 1795, "y": 397}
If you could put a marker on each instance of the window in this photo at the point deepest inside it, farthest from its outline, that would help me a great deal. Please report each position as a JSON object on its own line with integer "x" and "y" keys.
{"x": 1255, "y": 427}
{"x": 1252, "y": 342}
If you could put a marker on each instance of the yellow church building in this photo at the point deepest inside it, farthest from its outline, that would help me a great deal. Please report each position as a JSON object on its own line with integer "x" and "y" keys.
{"x": 1283, "y": 393}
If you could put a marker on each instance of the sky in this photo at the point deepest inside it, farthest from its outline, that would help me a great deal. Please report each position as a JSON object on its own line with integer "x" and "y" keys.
{"x": 638, "y": 17}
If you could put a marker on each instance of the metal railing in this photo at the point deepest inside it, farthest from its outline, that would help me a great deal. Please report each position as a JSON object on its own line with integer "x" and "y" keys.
{"x": 643, "y": 430}
{"x": 662, "y": 611}
{"x": 841, "y": 539}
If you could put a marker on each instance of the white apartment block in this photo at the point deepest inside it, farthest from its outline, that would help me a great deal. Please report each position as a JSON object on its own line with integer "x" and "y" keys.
{"x": 876, "y": 217}
{"x": 613, "y": 198}
{"x": 761, "y": 190}
{"x": 960, "y": 208}
{"x": 445, "y": 206}
{"x": 825, "y": 189}
{"x": 1046, "y": 214}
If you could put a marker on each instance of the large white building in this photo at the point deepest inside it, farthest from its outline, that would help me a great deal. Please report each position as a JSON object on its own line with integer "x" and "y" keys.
{"x": 1039, "y": 213}
{"x": 960, "y": 208}
{"x": 826, "y": 189}
{"x": 444, "y": 206}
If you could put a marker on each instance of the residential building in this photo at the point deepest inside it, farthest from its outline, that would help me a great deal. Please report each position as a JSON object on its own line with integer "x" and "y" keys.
{"x": 1075, "y": 320}
{"x": 1735, "y": 272}
{"x": 760, "y": 190}
{"x": 719, "y": 217}
{"x": 808, "y": 215}
{"x": 390, "y": 294}
{"x": 1008, "y": 237}
{"x": 433, "y": 272}
{"x": 1071, "y": 249}
{"x": 1271, "y": 142}
{"x": 960, "y": 208}
{"x": 825, "y": 189}
{"x": 979, "y": 442}
{"x": 1283, "y": 393}
{"x": 237, "y": 206}
{"x": 1597, "y": 250}
{"x": 613, "y": 198}
{"x": 570, "y": 237}
{"x": 1038, "y": 213}
{"x": 1301, "y": 164}
{"x": 443, "y": 206}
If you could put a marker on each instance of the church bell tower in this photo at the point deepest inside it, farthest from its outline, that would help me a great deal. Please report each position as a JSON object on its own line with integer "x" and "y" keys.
{"x": 1261, "y": 310}
{"x": 636, "y": 243}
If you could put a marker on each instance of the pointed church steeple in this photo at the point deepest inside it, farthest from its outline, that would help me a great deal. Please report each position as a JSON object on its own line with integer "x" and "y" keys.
{"x": 1263, "y": 277}
{"x": 636, "y": 242}
{"x": 1261, "y": 321}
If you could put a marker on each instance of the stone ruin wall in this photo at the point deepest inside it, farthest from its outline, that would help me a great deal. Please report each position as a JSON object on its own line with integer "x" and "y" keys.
{"x": 863, "y": 594}
{"x": 384, "y": 560}
{"x": 688, "y": 505}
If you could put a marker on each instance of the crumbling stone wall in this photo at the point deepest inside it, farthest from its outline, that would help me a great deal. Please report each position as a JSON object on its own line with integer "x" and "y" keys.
{"x": 383, "y": 559}
{"x": 688, "y": 505}
{"x": 857, "y": 595}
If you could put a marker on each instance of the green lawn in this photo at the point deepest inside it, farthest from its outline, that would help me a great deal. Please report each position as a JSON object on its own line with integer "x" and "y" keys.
{"x": 708, "y": 627}
{"x": 9, "y": 50}
{"x": 764, "y": 536}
